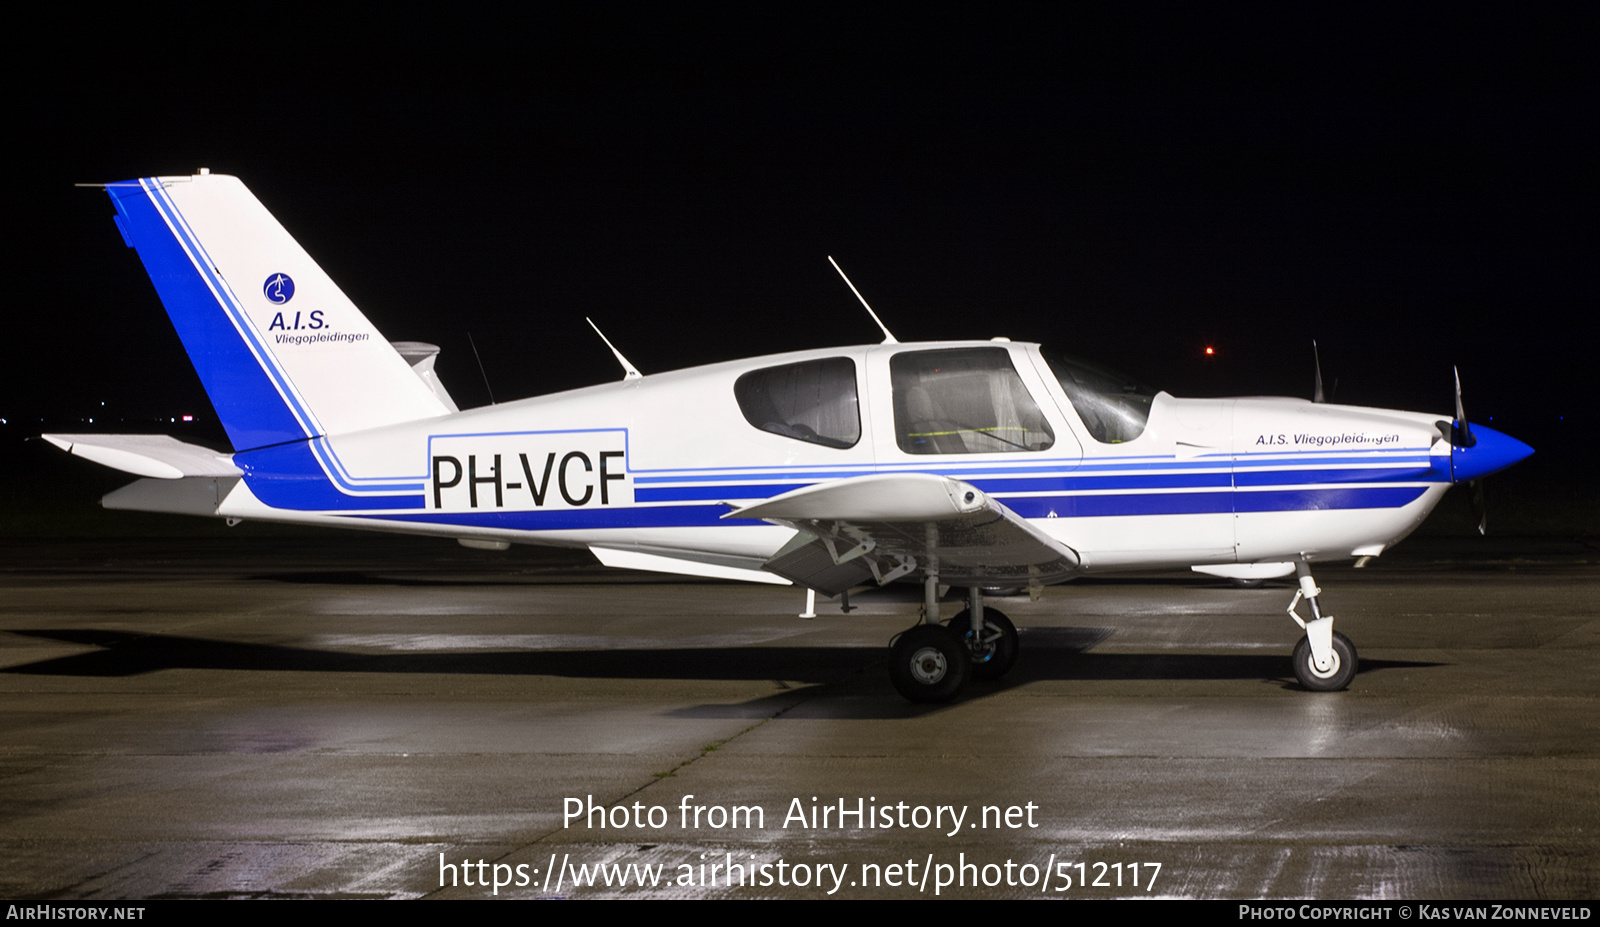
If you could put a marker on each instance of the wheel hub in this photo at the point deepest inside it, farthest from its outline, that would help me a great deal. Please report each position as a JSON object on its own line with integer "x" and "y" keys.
{"x": 1330, "y": 672}
{"x": 928, "y": 666}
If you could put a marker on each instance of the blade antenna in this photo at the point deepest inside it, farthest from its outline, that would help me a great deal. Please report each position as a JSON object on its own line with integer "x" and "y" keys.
{"x": 481, "y": 371}
{"x": 888, "y": 338}
{"x": 629, "y": 372}
{"x": 1316, "y": 360}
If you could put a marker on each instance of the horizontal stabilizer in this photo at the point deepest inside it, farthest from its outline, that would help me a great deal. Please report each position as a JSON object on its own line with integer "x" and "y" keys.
{"x": 421, "y": 355}
{"x": 192, "y": 495}
{"x": 160, "y": 456}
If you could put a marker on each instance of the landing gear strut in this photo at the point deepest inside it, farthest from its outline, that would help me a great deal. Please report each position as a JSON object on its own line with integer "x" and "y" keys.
{"x": 990, "y": 637}
{"x": 1324, "y": 660}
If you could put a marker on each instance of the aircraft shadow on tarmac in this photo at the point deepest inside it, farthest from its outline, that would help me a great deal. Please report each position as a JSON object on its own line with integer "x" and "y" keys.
{"x": 566, "y": 575}
{"x": 1048, "y": 654}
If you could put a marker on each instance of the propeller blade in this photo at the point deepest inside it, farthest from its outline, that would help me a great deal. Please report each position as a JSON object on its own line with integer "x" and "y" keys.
{"x": 1478, "y": 507}
{"x": 1316, "y": 359}
{"x": 1463, "y": 432}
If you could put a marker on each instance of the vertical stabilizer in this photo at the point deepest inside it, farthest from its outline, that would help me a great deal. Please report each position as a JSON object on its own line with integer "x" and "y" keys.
{"x": 282, "y": 352}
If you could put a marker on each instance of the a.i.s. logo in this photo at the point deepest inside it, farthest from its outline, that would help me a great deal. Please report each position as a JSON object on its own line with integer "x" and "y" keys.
{"x": 278, "y": 289}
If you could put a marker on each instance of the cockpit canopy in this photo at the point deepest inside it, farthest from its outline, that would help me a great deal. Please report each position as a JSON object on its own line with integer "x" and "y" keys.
{"x": 965, "y": 400}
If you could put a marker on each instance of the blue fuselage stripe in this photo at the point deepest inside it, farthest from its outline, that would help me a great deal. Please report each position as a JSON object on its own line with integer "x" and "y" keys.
{"x": 975, "y": 471}
{"x": 1077, "y": 483}
{"x": 686, "y": 516}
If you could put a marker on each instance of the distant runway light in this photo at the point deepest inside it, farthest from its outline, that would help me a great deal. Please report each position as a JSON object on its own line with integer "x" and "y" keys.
{"x": 1210, "y": 351}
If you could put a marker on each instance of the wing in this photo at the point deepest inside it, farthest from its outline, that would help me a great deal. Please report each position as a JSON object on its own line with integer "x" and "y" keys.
{"x": 890, "y": 525}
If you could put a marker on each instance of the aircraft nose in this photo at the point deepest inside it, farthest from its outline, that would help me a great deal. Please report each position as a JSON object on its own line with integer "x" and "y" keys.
{"x": 1493, "y": 451}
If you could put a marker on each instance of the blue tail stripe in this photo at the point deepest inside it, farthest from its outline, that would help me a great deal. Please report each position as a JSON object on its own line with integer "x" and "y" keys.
{"x": 288, "y": 476}
{"x": 246, "y": 401}
{"x": 225, "y": 299}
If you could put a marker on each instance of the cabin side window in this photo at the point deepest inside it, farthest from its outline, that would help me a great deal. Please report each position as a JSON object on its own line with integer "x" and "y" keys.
{"x": 812, "y": 401}
{"x": 964, "y": 401}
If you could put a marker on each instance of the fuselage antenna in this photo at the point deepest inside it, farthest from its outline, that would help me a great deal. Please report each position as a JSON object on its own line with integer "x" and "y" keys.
{"x": 480, "y": 367}
{"x": 629, "y": 372}
{"x": 485, "y": 373}
{"x": 888, "y": 338}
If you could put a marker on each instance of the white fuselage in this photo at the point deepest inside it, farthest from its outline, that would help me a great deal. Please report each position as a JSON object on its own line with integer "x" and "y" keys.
{"x": 653, "y": 464}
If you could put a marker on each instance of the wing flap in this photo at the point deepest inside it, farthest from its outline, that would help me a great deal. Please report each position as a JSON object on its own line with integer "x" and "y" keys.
{"x": 680, "y": 565}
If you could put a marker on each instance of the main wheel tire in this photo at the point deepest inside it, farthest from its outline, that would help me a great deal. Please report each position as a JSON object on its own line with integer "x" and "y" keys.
{"x": 1240, "y": 582}
{"x": 1344, "y": 665}
{"x": 929, "y": 664}
{"x": 995, "y": 659}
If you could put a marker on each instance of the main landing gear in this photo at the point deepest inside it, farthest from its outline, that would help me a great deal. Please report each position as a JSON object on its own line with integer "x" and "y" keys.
{"x": 930, "y": 662}
{"x": 1324, "y": 660}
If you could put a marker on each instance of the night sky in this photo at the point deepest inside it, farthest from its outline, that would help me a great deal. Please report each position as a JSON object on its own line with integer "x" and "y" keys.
{"x": 1412, "y": 186}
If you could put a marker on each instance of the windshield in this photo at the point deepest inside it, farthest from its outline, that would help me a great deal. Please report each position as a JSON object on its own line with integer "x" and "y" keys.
{"x": 1114, "y": 407}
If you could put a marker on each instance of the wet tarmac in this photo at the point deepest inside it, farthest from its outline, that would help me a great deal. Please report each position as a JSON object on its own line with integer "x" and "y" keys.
{"x": 370, "y": 717}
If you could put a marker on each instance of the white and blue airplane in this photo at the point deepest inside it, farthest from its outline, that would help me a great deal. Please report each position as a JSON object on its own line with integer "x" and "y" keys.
{"x": 974, "y": 464}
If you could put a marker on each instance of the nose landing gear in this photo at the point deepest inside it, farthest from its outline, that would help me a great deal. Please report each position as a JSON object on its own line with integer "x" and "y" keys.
{"x": 1324, "y": 660}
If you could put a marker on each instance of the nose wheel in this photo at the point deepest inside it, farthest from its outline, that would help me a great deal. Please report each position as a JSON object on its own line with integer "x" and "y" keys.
{"x": 1324, "y": 660}
{"x": 1335, "y": 674}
